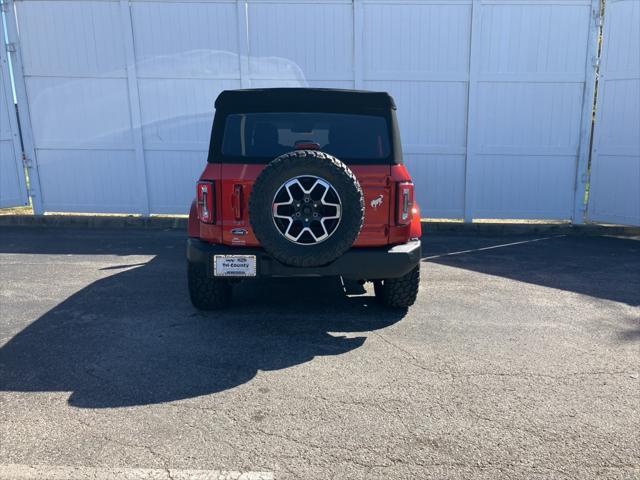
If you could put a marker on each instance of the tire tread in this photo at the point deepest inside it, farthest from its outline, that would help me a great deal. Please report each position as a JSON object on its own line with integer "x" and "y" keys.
{"x": 207, "y": 293}
{"x": 399, "y": 292}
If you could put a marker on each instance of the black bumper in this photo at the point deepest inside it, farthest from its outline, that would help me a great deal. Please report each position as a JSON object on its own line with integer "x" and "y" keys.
{"x": 356, "y": 263}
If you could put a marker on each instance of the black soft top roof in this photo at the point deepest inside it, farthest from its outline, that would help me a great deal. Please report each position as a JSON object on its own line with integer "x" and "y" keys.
{"x": 292, "y": 99}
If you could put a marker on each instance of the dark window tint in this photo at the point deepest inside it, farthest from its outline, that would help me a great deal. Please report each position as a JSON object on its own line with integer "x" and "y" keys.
{"x": 267, "y": 135}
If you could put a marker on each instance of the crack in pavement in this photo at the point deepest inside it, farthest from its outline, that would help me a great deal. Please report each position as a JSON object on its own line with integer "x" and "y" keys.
{"x": 416, "y": 362}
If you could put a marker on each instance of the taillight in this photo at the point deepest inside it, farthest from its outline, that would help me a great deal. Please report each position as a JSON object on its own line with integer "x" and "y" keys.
{"x": 206, "y": 202}
{"x": 404, "y": 203}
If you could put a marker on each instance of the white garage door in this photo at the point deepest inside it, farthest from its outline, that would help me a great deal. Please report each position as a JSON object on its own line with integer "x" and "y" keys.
{"x": 615, "y": 166}
{"x": 528, "y": 73}
{"x": 13, "y": 189}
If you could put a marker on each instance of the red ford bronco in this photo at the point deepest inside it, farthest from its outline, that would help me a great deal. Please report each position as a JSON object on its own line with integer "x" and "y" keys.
{"x": 304, "y": 182}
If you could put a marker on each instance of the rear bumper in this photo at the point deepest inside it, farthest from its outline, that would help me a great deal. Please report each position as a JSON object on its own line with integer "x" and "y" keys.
{"x": 356, "y": 263}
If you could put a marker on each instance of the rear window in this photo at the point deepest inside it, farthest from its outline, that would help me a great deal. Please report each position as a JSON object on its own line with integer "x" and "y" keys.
{"x": 268, "y": 135}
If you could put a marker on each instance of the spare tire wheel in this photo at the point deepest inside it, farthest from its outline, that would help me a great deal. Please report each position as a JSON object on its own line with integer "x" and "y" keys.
{"x": 306, "y": 208}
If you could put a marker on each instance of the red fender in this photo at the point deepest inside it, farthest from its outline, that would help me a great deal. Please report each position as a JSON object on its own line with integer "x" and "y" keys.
{"x": 416, "y": 225}
{"x": 193, "y": 228}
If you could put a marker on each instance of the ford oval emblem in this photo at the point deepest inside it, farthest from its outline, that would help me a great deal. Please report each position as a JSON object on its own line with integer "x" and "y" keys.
{"x": 239, "y": 231}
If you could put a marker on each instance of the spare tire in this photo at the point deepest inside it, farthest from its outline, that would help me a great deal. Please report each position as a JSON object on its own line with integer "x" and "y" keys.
{"x": 306, "y": 208}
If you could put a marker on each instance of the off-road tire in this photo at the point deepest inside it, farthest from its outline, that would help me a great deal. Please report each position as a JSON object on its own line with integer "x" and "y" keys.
{"x": 298, "y": 163}
{"x": 207, "y": 293}
{"x": 398, "y": 292}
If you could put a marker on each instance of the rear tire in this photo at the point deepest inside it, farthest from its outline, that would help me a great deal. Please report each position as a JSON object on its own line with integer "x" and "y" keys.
{"x": 207, "y": 293}
{"x": 398, "y": 292}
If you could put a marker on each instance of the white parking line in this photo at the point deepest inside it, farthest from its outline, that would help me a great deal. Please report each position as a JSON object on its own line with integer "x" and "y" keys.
{"x": 46, "y": 472}
{"x": 493, "y": 246}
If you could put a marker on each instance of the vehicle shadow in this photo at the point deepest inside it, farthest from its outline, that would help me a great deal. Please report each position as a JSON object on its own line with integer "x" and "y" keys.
{"x": 600, "y": 267}
{"x": 133, "y": 338}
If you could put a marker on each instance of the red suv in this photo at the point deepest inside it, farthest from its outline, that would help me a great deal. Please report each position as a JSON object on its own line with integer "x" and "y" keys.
{"x": 304, "y": 182}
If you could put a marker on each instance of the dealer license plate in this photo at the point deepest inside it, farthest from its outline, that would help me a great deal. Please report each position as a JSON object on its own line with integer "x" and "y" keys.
{"x": 234, "y": 265}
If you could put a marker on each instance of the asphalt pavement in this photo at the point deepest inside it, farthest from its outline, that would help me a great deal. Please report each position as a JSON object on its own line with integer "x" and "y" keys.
{"x": 520, "y": 360}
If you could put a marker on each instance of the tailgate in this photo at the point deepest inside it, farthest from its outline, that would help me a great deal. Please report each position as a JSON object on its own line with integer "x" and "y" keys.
{"x": 376, "y": 187}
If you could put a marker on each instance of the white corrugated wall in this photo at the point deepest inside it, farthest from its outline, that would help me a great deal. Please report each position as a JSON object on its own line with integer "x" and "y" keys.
{"x": 493, "y": 95}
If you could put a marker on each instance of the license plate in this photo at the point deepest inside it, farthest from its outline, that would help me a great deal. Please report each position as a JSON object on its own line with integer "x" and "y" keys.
{"x": 234, "y": 265}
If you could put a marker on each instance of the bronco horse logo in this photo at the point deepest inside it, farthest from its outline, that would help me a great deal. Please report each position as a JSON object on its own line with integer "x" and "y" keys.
{"x": 376, "y": 202}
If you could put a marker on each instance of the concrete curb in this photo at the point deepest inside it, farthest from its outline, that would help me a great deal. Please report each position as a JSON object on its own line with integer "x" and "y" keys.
{"x": 449, "y": 228}
{"x": 95, "y": 221}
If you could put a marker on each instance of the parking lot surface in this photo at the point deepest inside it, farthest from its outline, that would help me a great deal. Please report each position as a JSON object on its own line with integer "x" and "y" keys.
{"x": 519, "y": 360}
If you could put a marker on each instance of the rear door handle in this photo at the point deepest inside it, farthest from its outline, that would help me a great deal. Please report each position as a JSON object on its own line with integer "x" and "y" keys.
{"x": 236, "y": 201}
